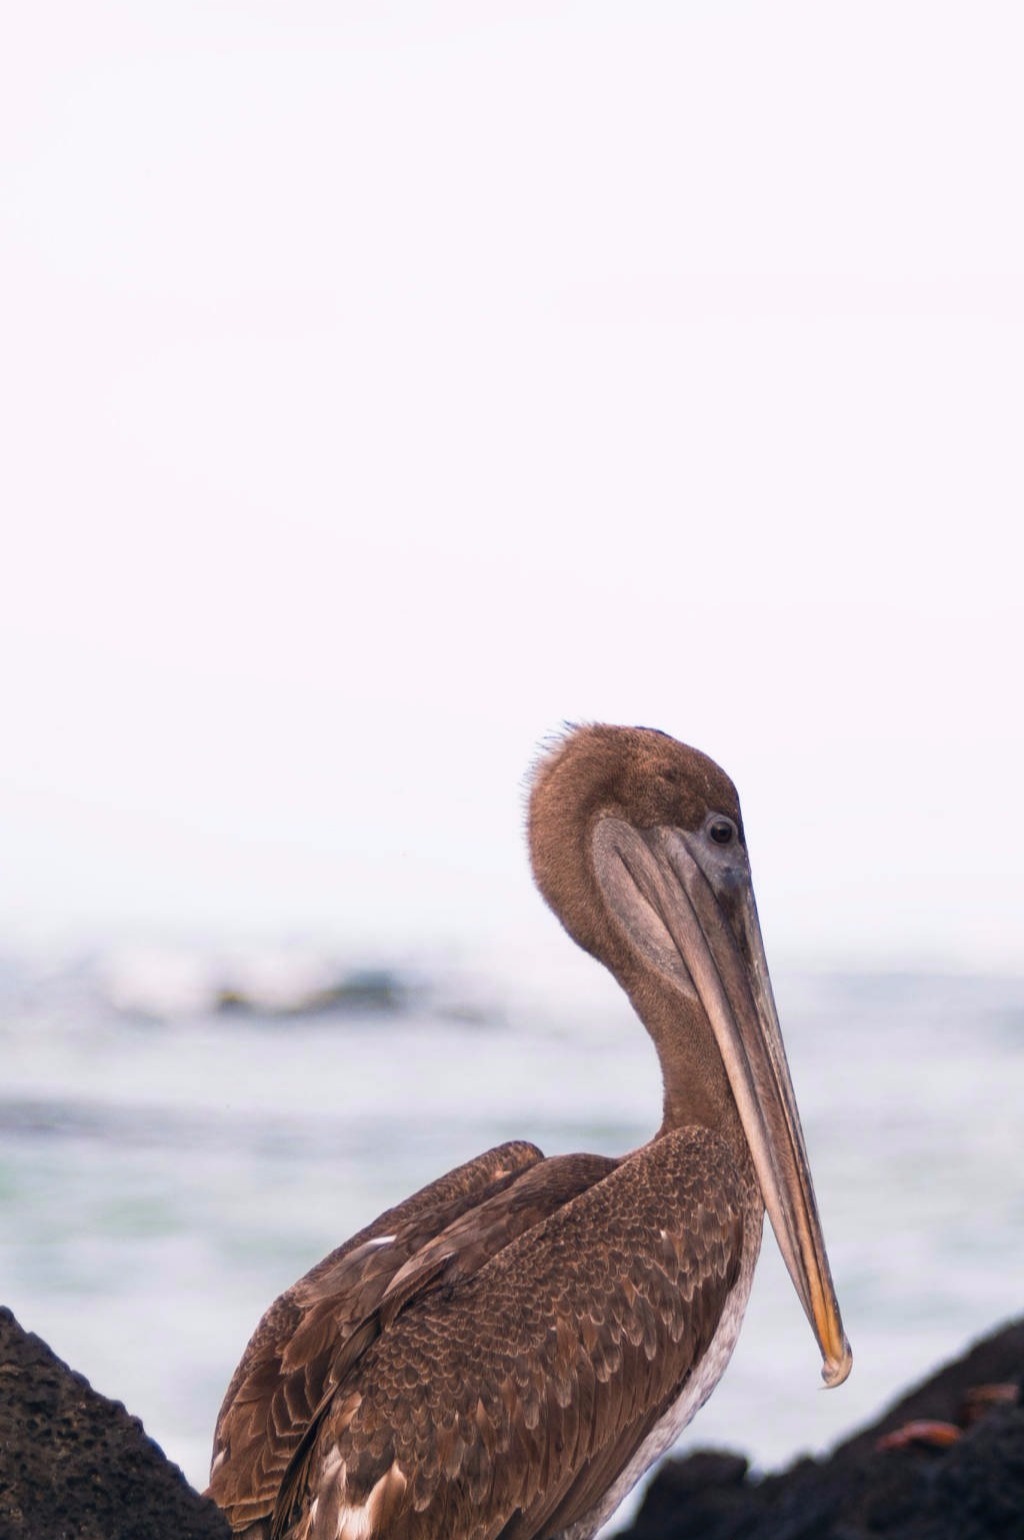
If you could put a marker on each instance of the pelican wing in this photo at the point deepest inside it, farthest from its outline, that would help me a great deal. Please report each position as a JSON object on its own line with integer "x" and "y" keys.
{"x": 286, "y": 1369}
{"x": 505, "y": 1401}
{"x": 455, "y": 1255}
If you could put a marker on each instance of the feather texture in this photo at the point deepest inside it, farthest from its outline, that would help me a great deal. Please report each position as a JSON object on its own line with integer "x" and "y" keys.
{"x": 285, "y": 1370}
{"x": 495, "y": 1380}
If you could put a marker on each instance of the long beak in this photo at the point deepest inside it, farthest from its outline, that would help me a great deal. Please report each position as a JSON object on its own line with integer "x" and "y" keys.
{"x": 724, "y": 955}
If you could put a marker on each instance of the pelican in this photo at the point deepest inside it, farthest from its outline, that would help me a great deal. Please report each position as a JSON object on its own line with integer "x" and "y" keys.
{"x": 503, "y": 1355}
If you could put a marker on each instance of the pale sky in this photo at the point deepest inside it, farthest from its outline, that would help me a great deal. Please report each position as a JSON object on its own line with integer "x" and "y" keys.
{"x": 383, "y": 384}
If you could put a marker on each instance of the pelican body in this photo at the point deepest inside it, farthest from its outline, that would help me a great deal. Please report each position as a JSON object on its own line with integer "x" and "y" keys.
{"x": 502, "y": 1355}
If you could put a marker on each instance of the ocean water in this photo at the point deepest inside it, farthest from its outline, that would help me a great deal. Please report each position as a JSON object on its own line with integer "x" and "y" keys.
{"x": 182, "y": 1134}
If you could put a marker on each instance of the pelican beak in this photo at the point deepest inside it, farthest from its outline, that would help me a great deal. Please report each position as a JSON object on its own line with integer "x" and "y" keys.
{"x": 725, "y": 957}
{"x": 711, "y": 921}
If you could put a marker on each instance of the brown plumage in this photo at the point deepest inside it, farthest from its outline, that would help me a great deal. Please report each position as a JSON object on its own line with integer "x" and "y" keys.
{"x": 501, "y": 1356}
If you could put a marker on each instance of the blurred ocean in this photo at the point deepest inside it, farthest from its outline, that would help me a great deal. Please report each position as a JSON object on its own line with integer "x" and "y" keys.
{"x": 182, "y": 1134}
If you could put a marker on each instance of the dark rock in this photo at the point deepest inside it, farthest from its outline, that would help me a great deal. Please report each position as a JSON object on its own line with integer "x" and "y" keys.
{"x": 75, "y": 1466}
{"x": 969, "y": 1489}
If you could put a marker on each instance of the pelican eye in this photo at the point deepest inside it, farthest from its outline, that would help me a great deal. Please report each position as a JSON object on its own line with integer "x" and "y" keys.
{"x": 722, "y": 830}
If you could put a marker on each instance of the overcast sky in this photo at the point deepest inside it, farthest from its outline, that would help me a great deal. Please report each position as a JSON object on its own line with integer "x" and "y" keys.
{"x": 383, "y": 384}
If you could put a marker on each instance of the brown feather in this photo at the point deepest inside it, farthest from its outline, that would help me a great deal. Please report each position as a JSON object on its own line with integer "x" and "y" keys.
{"x": 507, "y": 1346}
{"x": 284, "y": 1372}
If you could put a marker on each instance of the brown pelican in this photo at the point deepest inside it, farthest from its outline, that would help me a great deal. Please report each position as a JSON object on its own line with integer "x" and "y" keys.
{"x": 503, "y": 1355}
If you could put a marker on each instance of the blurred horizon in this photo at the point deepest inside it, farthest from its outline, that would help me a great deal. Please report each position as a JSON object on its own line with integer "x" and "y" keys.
{"x": 263, "y": 948}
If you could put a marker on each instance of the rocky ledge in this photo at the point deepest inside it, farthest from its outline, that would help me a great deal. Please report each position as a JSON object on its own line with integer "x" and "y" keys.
{"x": 945, "y": 1463}
{"x": 75, "y": 1466}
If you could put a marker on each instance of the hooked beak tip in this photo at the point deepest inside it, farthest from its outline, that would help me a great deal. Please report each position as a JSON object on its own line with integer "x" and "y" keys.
{"x": 834, "y": 1370}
